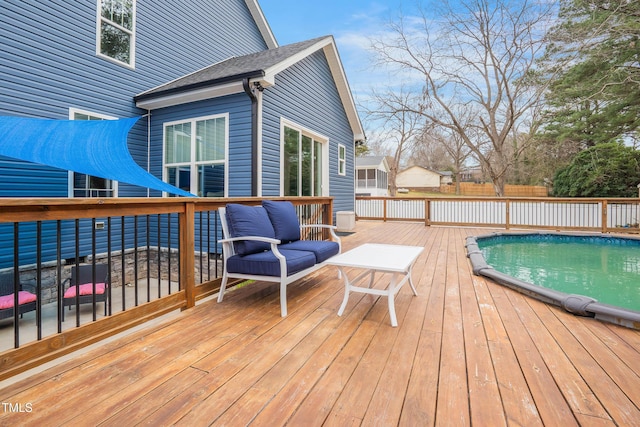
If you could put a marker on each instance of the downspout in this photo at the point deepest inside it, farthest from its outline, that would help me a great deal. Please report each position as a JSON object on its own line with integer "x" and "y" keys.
{"x": 148, "y": 147}
{"x": 254, "y": 134}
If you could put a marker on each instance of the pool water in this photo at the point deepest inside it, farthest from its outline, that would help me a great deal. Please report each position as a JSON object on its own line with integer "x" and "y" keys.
{"x": 604, "y": 268}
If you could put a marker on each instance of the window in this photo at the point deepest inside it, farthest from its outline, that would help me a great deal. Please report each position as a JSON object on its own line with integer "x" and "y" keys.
{"x": 195, "y": 154}
{"x": 81, "y": 185}
{"x": 302, "y": 165}
{"x": 116, "y": 30}
{"x": 342, "y": 159}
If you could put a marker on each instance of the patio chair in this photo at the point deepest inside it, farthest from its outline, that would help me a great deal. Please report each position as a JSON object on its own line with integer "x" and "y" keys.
{"x": 26, "y": 299}
{"x": 82, "y": 289}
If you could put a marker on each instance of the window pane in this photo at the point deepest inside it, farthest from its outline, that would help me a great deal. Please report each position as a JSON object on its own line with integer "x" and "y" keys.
{"x": 210, "y": 139}
{"x": 211, "y": 180}
{"x": 307, "y": 166}
{"x": 178, "y": 143}
{"x": 342, "y": 155}
{"x": 119, "y": 12}
{"x": 291, "y": 153}
{"x": 179, "y": 177}
{"x": 115, "y": 43}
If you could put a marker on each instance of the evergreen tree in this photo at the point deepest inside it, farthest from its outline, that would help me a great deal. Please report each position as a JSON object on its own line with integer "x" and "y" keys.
{"x": 593, "y": 61}
{"x": 604, "y": 170}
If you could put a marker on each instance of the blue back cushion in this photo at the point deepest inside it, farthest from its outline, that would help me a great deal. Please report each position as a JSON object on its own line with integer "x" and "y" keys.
{"x": 249, "y": 221}
{"x": 284, "y": 218}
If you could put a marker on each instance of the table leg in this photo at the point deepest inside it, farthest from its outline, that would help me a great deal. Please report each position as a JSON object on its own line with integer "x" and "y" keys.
{"x": 346, "y": 291}
{"x": 391, "y": 301}
{"x": 413, "y": 288}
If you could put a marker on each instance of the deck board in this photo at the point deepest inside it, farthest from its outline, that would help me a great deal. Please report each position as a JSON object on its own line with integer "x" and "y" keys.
{"x": 467, "y": 351}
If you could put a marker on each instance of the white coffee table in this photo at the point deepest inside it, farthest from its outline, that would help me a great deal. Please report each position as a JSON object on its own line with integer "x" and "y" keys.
{"x": 397, "y": 260}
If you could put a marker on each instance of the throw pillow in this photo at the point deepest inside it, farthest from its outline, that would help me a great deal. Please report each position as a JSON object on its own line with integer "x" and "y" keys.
{"x": 284, "y": 218}
{"x": 249, "y": 221}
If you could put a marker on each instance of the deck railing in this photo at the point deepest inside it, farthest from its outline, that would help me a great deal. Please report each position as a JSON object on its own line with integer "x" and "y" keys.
{"x": 587, "y": 214}
{"x": 162, "y": 253}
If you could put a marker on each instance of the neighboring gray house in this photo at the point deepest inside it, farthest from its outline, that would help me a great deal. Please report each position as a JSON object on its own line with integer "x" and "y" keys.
{"x": 372, "y": 176}
{"x": 229, "y": 112}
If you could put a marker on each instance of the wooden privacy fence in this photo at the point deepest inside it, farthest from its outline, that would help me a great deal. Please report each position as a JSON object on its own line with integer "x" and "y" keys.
{"x": 472, "y": 189}
{"x": 602, "y": 215}
{"x": 162, "y": 255}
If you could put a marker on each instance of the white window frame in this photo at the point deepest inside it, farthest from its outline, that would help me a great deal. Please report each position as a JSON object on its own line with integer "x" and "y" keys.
{"x": 132, "y": 48}
{"x": 342, "y": 160}
{"x": 193, "y": 164}
{"x": 70, "y": 181}
{"x": 323, "y": 140}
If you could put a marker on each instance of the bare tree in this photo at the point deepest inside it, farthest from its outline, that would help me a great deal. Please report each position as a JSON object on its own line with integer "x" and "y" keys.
{"x": 398, "y": 127}
{"x": 472, "y": 62}
{"x": 442, "y": 151}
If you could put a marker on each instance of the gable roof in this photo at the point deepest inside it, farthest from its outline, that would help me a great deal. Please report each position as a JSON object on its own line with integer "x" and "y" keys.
{"x": 422, "y": 168}
{"x": 261, "y": 22}
{"x": 365, "y": 161}
{"x": 226, "y": 77}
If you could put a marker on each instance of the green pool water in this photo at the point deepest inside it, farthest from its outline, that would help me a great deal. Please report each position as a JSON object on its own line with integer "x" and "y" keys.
{"x": 604, "y": 268}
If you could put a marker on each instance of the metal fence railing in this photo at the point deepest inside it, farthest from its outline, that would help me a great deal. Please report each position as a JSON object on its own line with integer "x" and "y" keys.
{"x": 604, "y": 215}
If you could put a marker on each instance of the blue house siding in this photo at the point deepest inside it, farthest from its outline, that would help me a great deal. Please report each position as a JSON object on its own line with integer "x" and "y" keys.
{"x": 306, "y": 94}
{"x": 238, "y": 106}
{"x": 49, "y": 62}
{"x": 49, "y": 65}
{"x": 23, "y": 179}
{"x": 50, "y": 52}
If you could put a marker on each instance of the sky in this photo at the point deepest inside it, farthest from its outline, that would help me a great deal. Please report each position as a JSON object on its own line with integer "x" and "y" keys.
{"x": 351, "y": 22}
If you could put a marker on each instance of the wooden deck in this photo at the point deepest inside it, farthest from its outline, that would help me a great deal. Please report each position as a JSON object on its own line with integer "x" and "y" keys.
{"x": 466, "y": 352}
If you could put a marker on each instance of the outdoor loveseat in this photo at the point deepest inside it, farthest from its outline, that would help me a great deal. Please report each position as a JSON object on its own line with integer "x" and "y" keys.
{"x": 264, "y": 243}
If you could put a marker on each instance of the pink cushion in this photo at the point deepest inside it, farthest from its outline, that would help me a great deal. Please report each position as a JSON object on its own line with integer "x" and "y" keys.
{"x": 86, "y": 289}
{"x": 24, "y": 297}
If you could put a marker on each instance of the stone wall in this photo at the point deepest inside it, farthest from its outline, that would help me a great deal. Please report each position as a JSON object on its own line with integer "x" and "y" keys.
{"x": 48, "y": 272}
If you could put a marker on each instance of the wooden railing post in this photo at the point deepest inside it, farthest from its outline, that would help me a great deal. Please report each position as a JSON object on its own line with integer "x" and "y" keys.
{"x": 187, "y": 253}
{"x": 384, "y": 210}
{"x": 427, "y": 212}
{"x": 507, "y": 219}
{"x": 604, "y": 216}
{"x": 327, "y": 217}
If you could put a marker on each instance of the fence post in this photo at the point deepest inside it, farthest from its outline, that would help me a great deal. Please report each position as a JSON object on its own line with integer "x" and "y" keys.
{"x": 507, "y": 214}
{"x": 384, "y": 210}
{"x": 605, "y": 219}
{"x": 187, "y": 253}
{"x": 427, "y": 212}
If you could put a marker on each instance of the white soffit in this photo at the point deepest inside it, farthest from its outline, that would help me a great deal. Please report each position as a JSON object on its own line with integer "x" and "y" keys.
{"x": 191, "y": 96}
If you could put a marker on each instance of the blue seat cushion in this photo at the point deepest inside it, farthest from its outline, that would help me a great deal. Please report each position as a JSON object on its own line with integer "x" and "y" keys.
{"x": 322, "y": 249}
{"x": 284, "y": 218}
{"x": 266, "y": 263}
{"x": 249, "y": 221}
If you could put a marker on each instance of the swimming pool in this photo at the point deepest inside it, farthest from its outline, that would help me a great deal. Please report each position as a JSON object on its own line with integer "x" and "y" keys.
{"x": 586, "y": 274}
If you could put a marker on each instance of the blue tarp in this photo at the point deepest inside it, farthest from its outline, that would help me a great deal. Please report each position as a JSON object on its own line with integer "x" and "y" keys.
{"x": 92, "y": 147}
